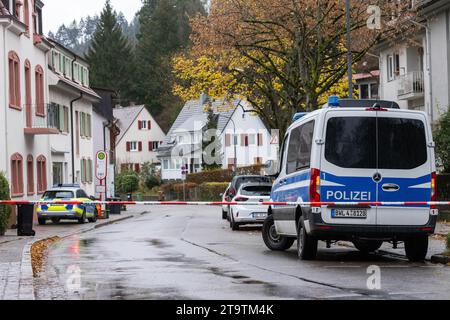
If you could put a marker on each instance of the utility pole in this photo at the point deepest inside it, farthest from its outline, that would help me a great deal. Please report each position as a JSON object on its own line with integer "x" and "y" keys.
{"x": 349, "y": 50}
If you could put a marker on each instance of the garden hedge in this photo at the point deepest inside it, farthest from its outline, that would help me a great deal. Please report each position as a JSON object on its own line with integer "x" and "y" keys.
{"x": 5, "y": 211}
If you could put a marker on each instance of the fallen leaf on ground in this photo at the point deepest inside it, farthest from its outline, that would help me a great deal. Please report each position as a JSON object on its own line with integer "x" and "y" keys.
{"x": 38, "y": 254}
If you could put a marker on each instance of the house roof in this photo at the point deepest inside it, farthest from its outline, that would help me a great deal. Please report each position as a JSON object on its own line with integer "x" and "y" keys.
{"x": 194, "y": 116}
{"x": 126, "y": 117}
{"x": 105, "y": 106}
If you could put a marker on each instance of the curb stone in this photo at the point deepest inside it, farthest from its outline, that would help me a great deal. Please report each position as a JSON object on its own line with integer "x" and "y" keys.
{"x": 440, "y": 258}
{"x": 26, "y": 281}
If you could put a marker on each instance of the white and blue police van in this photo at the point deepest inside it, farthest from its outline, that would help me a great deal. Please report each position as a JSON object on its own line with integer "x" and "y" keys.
{"x": 354, "y": 151}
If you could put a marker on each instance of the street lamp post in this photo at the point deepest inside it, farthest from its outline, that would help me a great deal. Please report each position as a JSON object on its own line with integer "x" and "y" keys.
{"x": 349, "y": 50}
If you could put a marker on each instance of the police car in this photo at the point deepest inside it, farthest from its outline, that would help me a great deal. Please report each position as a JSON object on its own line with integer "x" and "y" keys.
{"x": 354, "y": 151}
{"x": 57, "y": 212}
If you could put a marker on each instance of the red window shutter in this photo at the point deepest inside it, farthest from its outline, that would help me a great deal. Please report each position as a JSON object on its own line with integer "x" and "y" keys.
{"x": 128, "y": 146}
{"x": 137, "y": 167}
{"x": 242, "y": 139}
{"x": 260, "y": 139}
{"x": 227, "y": 140}
{"x": 149, "y": 125}
{"x": 246, "y": 140}
{"x": 139, "y": 125}
{"x": 150, "y": 146}
{"x": 140, "y": 146}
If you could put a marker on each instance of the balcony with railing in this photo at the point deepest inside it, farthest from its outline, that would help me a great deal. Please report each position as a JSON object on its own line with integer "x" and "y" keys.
{"x": 411, "y": 86}
{"x": 38, "y": 120}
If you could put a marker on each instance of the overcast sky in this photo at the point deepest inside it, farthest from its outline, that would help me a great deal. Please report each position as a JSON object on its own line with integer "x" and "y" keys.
{"x": 57, "y": 12}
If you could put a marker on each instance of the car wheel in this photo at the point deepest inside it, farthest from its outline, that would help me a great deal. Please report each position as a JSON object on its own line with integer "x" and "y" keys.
{"x": 93, "y": 219}
{"x": 56, "y": 220}
{"x": 82, "y": 220}
{"x": 224, "y": 215}
{"x": 306, "y": 244}
{"x": 233, "y": 225}
{"x": 42, "y": 221}
{"x": 272, "y": 239}
{"x": 416, "y": 248}
{"x": 367, "y": 246}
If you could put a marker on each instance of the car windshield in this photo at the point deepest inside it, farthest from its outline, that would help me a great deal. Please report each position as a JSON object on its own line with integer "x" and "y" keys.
{"x": 351, "y": 142}
{"x": 255, "y": 179}
{"x": 256, "y": 191}
{"x": 58, "y": 195}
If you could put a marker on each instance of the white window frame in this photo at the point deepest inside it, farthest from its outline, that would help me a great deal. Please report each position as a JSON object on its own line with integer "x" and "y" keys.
{"x": 134, "y": 146}
{"x": 143, "y": 125}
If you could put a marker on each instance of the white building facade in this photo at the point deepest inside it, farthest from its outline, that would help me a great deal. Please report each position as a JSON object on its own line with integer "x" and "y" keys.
{"x": 140, "y": 136}
{"x": 417, "y": 74}
{"x": 70, "y": 110}
{"x": 25, "y": 131}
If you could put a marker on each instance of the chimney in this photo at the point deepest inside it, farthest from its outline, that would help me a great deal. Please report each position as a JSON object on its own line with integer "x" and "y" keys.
{"x": 132, "y": 103}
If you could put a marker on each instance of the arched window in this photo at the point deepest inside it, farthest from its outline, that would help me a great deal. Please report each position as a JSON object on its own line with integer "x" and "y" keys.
{"x": 28, "y": 101}
{"x": 26, "y": 15}
{"x": 30, "y": 175}
{"x": 39, "y": 75}
{"x": 16, "y": 175}
{"x": 41, "y": 164}
{"x": 14, "y": 80}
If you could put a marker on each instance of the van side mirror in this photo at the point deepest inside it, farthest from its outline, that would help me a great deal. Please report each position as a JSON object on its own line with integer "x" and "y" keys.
{"x": 271, "y": 169}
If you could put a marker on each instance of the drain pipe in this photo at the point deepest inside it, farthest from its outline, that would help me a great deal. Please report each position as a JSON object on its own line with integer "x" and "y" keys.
{"x": 72, "y": 134}
{"x": 429, "y": 67}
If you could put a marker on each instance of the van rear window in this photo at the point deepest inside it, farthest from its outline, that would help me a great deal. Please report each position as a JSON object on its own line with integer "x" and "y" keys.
{"x": 351, "y": 142}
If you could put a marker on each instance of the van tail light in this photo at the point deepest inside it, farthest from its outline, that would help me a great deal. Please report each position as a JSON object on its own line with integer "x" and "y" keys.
{"x": 433, "y": 189}
{"x": 241, "y": 199}
{"x": 314, "y": 187}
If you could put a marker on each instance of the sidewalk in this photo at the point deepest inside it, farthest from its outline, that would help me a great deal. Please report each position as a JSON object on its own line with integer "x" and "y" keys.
{"x": 15, "y": 266}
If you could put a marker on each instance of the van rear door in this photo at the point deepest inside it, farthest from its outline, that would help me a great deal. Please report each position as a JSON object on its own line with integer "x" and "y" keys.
{"x": 348, "y": 165}
{"x": 404, "y": 165}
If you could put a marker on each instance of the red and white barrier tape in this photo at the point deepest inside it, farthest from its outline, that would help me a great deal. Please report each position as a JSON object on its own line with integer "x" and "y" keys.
{"x": 199, "y": 203}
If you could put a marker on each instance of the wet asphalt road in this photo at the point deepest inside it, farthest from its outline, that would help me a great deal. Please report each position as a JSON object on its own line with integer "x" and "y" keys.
{"x": 190, "y": 253}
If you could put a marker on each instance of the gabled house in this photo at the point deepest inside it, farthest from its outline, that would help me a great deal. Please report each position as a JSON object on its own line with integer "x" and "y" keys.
{"x": 25, "y": 128}
{"x": 245, "y": 140}
{"x": 416, "y": 73}
{"x": 70, "y": 110}
{"x": 140, "y": 136}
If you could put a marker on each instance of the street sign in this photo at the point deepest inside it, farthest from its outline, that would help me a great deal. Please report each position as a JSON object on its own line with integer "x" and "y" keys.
{"x": 101, "y": 165}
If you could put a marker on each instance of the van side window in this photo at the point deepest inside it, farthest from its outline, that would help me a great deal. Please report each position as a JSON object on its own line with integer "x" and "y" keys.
{"x": 300, "y": 144}
{"x": 283, "y": 152}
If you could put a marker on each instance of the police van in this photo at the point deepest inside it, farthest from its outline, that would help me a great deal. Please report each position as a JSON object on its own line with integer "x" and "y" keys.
{"x": 354, "y": 151}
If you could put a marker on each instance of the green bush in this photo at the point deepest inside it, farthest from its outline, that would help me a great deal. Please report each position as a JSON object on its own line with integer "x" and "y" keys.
{"x": 5, "y": 211}
{"x": 222, "y": 175}
{"x": 210, "y": 191}
{"x": 127, "y": 182}
{"x": 442, "y": 139}
{"x": 149, "y": 176}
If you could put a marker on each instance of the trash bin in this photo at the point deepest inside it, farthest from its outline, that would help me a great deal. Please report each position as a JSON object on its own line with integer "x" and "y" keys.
{"x": 114, "y": 208}
{"x": 25, "y": 220}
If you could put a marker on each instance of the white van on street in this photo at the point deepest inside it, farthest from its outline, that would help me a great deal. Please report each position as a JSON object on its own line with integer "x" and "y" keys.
{"x": 355, "y": 151}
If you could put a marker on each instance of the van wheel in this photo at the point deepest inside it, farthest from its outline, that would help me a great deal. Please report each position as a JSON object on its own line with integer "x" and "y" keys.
{"x": 306, "y": 244}
{"x": 272, "y": 240}
{"x": 367, "y": 246}
{"x": 416, "y": 248}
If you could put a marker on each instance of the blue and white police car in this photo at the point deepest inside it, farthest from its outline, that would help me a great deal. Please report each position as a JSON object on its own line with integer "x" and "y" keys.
{"x": 354, "y": 151}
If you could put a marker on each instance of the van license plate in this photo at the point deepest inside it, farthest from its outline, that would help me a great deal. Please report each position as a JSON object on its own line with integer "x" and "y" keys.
{"x": 349, "y": 213}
